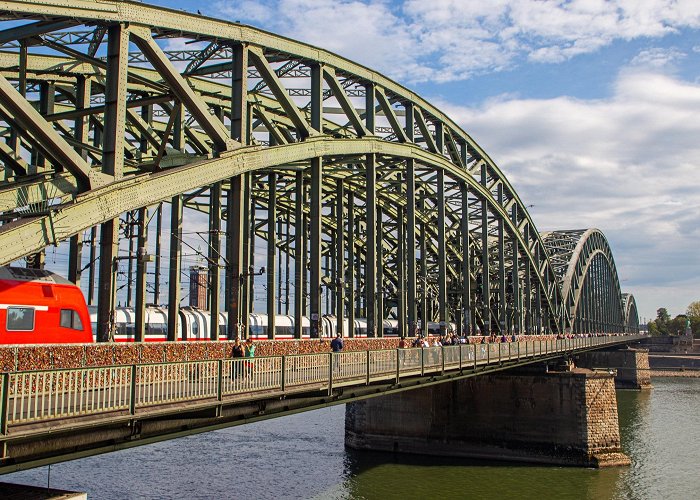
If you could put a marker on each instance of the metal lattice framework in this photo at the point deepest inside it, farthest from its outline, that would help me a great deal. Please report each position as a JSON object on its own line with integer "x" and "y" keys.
{"x": 359, "y": 188}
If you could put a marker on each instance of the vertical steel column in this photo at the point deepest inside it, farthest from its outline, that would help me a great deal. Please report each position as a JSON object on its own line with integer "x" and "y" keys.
{"x": 369, "y": 107}
{"x": 517, "y": 305}
{"x": 237, "y": 197}
{"x": 249, "y": 251}
{"x": 214, "y": 258}
{"x": 278, "y": 268}
{"x": 442, "y": 254}
{"x": 485, "y": 278}
{"x": 425, "y": 317}
{"x": 411, "y": 242}
{"x": 299, "y": 255}
{"x": 528, "y": 286}
{"x": 80, "y": 133}
{"x": 239, "y": 93}
{"x": 340, "y": 257}
{"x": 271, "y": 252}
{"x": 371, "y": 248}
{"x": 129, "y": 230}
{"x": 112, "y": 164}
{"x": 91, "y": 268}
{"x": 380, "y": 272}
{"x": 466, "y": 263}
{"x": 159, "y": 232}
{"x": 174, "y": 268}
{"x": 234, "y": 253}
{"x": 501, "y": 266}
{"x": 141, "y": 272}
{"x": 316, "y": 203}
{"x": 351, "y": 263}
{"x": 401, "y": 270}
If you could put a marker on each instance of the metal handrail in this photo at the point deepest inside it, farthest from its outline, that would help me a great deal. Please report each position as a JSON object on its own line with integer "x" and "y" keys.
{"x": 46, "y": 395}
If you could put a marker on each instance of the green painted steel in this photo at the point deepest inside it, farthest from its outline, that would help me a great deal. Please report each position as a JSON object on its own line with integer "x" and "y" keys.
{"x": 248, "y": 114}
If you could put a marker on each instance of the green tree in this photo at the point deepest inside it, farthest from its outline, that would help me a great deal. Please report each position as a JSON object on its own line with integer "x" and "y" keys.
{"x": 694, "y": 309}
{"x": 653, "y": 329}
{"x": 662, "y": 321}
{"x": 677, "y": 325}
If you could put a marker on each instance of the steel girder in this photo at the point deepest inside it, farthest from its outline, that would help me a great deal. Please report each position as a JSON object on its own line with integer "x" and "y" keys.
{"x": 585, "y": 268}
{"x": 454, "y": 242}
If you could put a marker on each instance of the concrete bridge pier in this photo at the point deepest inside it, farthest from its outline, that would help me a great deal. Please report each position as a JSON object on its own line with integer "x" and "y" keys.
{"x": 631, "y": 365}
{"x": 567, "y": 418}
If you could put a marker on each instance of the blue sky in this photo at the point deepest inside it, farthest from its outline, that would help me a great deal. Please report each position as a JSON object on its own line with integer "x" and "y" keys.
{"x": 590, "y": 107}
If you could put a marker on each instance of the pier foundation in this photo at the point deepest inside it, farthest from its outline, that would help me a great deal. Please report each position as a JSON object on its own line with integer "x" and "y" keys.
{"x": 567, "y": 418}
{"x": 631, "y": 366}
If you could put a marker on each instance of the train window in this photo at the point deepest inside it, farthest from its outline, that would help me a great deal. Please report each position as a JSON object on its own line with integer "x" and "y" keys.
{"x": 20, "y": 319}
{"x": 222, "y": 331}
{"x": 70, "y": 319}
{"x": 195, "y": 328}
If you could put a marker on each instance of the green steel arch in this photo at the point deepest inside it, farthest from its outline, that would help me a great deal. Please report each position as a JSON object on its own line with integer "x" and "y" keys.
{"x": 585, "y": 268}
{"x": 369, "y": 194}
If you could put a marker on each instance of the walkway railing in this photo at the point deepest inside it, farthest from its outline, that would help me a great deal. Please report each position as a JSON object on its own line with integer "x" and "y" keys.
{"x": 45, "y": 396}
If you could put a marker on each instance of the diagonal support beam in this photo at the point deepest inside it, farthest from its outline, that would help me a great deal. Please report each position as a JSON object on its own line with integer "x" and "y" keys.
{"x": 29, "y": 120}
{"x": 273, "y": 82}
{"x": 391, "y": 116}
{"x": 348, "y": 108}
{"x": 427, "y": 135}
{"x": 198, "y": 109}
{"x": 34, "y": 29}
{"x": 10, "y": 158}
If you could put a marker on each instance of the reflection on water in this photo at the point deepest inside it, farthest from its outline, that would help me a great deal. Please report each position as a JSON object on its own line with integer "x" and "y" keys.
{"x": 302, "y": 456}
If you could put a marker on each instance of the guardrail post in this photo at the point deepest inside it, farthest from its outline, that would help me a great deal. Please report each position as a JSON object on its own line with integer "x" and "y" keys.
{"x": 4, "y": 411}
{"x": 474, "y": 346}
{"x": 488, "y": 354}
{"x": 422, "y": 361}
{"x": 460, "y": 359}
{"x": 220, "y": 389}
{"x": 132, "y": 397}
{"x": 442, "y": 355}
{"x": 284, "y": 365}
{"x": 518, "y": 344}
{"x": 367, "y": 381}
{"x": 499, "y": 355}
{"x": 398, "y": 366}
{"x": 330, "y": 373}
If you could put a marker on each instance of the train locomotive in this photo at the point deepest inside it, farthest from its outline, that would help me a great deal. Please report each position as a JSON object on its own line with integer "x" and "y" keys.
{"x": 41, "y": 307}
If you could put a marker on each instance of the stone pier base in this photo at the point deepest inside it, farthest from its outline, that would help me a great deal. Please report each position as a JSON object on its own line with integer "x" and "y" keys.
{"x": 557, "y": 418}
{"x": 631, "y": 365}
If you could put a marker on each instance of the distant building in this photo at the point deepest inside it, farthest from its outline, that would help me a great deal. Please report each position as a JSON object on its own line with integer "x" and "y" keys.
{"x": 198, "y": 287}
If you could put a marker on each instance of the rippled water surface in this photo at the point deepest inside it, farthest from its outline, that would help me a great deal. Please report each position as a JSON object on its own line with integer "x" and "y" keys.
{"x": 302, "y": 456}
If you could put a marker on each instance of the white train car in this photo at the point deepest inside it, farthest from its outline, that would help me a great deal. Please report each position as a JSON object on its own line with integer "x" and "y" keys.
{"x": 195, "y": 324}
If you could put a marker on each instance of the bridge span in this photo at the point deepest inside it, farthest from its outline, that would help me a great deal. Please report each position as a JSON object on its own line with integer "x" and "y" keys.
{"x": 57, "y": 415}
{"x": 362, "y": 199}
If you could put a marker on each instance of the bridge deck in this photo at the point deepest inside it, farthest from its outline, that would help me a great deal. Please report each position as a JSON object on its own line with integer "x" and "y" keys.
{"x": 50, "y": 416}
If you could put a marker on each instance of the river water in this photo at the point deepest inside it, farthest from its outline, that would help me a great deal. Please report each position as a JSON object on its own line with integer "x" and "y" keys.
{"x": 302, "y": 456}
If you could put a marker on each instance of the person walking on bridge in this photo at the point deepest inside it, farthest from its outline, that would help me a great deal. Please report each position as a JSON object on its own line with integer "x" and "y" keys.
{"x": 249, "y": 353}
{"x": 336, "y": 347}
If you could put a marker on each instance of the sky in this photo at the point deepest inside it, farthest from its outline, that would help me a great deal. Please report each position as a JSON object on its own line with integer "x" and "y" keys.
{"x": 589, "y": 107}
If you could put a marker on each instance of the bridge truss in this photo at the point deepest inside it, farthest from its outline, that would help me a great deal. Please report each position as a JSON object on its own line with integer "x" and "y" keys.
{"x": 359, "y": 190}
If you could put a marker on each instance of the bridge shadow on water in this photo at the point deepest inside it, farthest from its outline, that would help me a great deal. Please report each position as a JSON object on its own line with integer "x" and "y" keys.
{"x": 374, "y": 475}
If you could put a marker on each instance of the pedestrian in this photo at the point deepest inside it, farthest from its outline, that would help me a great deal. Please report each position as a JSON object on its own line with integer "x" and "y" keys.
{"x": 237, "y": 353}
{"x": 249, "y": 353}
{"x": 336, "y": 347}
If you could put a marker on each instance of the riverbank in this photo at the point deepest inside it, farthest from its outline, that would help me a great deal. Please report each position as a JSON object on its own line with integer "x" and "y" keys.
{"x": 675, "y": 373}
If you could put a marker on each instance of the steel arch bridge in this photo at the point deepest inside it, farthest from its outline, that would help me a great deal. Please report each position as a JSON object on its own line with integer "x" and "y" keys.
{"x": 362, "y": 192}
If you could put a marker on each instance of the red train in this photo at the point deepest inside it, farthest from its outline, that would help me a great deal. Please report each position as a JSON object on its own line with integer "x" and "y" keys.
{"x": 40, "y": 307}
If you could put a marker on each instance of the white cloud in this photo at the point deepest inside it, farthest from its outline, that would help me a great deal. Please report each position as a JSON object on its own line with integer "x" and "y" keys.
{"x": 444, "y": 40}
{"x": 627, "y": 165}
